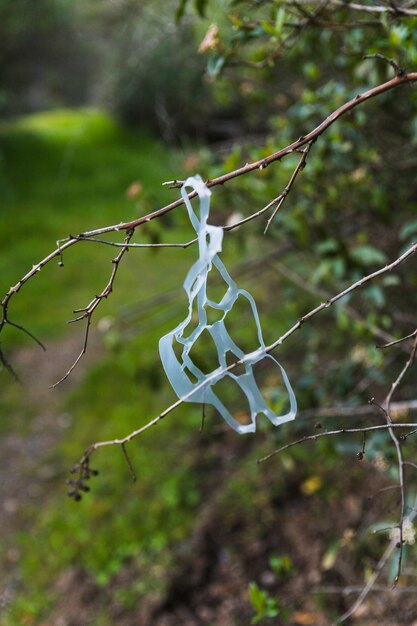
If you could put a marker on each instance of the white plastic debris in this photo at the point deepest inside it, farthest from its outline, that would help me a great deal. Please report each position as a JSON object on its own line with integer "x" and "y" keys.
{"x": 188, "y": 381}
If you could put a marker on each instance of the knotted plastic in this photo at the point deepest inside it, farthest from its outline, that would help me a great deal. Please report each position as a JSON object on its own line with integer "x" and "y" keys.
{"x": 199, "y": 387}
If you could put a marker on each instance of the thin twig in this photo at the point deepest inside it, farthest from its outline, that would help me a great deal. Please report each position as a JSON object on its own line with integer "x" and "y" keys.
{"x": 88, "y": 311}
{"x": 253, "y": 216}
{"x": 411, "y": 464}
{"x": 399, "y": 71}
{"x": 398, "y": 449}
{"x": 354, "y": 6}
{"x": 297, "y": 280}
{"x": 397, "y": 341}
{"x": 375, "y": 574}
{"x": 281, "y": 198}
{"x": 129, "y": 462}
{"x": 347, "y": 591}
{"x": 397, "y": 408}
{"x": 404, "y": 437}
{"x": 332, "y": 433}
{"x": 384, "y": 490}
{"x": 398, "y": 380}
{"x": 28, "y": 333}
{"x": 6, "y": 365}
{"x": 342, "y": 294}
{"x": 120, "y": 244}
{"x": 79, "y": 357}
{"x": 17, "y": 287}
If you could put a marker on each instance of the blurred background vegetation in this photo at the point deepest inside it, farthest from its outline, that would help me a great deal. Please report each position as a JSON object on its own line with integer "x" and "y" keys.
{"x": 100, "y": 102}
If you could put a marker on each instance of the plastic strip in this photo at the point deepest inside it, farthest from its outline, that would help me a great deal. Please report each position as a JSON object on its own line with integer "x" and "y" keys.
{"x": 195, "y": 285}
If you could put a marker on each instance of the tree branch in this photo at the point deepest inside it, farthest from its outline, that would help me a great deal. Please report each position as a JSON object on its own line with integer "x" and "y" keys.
{"x": 268, "y": 349}
{"x": 261, "y": 164}
{"x": 377, "y": 571}
{"x": 332, "y": 433}
{"x": 88, "y": 311}
{"x": 280, "y": 154}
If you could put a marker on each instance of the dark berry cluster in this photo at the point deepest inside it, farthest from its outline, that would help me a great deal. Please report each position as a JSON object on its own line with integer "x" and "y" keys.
{"x": 78, "y": 485}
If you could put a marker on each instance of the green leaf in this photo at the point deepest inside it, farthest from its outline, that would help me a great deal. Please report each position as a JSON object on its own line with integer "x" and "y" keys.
{"x": 390, "y": 281}
{"x": 376, "y": 295}
{"x": 281, "y": 565}
{"x": 268, "y": 28}
{"x": 327, "y": 246}
{"x": 367, "y": 255}
{"x": 215, "y": 64}
{"x": 181, "y": 10}
{"x": 200, "y": 5}
{"x": 264, "y": 605}
{"x": 279, "y": 20}
{"x": 258, "y": 598}
{"x": 408, "y": 229}
{"x": 394, "y": 562}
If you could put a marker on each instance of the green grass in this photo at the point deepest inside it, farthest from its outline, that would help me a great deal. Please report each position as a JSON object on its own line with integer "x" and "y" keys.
{"x": 65, "y": 172}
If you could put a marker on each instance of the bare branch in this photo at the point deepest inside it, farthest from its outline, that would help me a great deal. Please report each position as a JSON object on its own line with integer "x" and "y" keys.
{"x": 297, "y": 280}
{"x": 6, "y": 365}
{"x": 377, "y": 571}
{"x": 411, "y": 464}
{"x": 120, "y": 244}
{"x": 397, "y": 381}
{"x": 88, "y": 311}
{"x": 28, "y": 333}
{"x": 397, "y": 408}
{"x": 399, "y": 71}
{"x": 17, "y": 287}
{"x": 129, "y": 462}
{"x": 79, "y": 357}
{"x": 346, "y": 591}
{"x": 398, "y": 449}
{"x": 381, "y": 8}
{"x": 280, "y": 154}
{"x": 345, "y": 292}
{"x": 397, "y": 341}
{"x": 331, "y": 433}
{"x": 281, "y": 198}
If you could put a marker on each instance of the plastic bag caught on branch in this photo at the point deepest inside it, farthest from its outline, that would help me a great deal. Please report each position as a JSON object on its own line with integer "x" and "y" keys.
{"x": 188, "y": 381}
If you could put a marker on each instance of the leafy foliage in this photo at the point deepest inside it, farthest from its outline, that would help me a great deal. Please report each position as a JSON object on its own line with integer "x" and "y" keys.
{"x": 264, "y": 605}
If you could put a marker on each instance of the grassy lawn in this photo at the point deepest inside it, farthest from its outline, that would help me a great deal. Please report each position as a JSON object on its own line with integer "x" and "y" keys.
{"x": 64, "y": 172}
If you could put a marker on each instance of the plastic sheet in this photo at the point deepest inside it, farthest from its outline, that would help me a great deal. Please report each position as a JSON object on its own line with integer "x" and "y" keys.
{"x": 188, "y": 381}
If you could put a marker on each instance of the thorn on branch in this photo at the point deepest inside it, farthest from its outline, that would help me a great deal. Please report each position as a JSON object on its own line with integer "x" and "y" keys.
{"x": 173, "y": 184}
